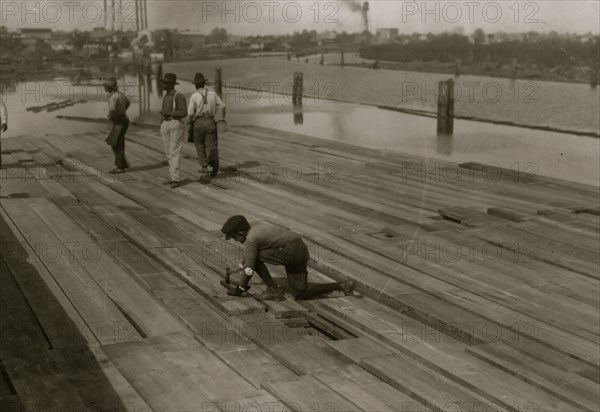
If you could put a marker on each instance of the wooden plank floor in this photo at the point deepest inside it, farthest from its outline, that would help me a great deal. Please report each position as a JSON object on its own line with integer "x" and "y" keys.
{"x": 476, "y": 290}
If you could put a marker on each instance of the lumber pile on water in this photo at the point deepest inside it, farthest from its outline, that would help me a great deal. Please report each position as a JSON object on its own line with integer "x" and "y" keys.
{"x": 474, "y": 294}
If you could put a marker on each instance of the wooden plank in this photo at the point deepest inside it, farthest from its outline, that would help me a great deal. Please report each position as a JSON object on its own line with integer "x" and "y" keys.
{"x": 425, "y": 386}
{"x": 289, "y": 346}
{"x": 545, "y": 250}
{"x": 560, "y": 360}
{"x": 98, "y": 382}
{"x": 20, "y": 328}
{"x": 102, "y": 317}
{"x": 174, "y": 372}
{"x": 506, "y": 214}
{"x": 125, "y": 292}
{"x": 557, "y": 235}
{"x": 306, "y": 393}
{"x": 259, "y": 401}
{"x": 12, "y": 403}
{"x": 467, "y": 269}
{"x": 202, "y": 366}
{"x": 204, "y": 282}
{"x": 20, "y": 187}
{"x": 449, "y": 359}
{"x": 160, "y": 383}
{"x": 31, "y": 367}
{"x": 358, "y": 348}
{"x": 569, "y": 387}
{"x": 366, "y": 391}
{"x": 37, "y": 376}
{"x": 60, "y": 321}
{"x": 256, "y": 366}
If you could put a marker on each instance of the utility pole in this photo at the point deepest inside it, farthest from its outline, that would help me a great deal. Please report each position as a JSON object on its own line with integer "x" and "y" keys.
{"x": 112, "y": 15}
{"x": 146, "y": 13}
{"x": 121, "y": 15}
{"x": 137, "y": 15}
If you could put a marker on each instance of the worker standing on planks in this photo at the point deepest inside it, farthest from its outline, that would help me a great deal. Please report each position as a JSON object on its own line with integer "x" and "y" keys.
{"x": 117, "y": 108}
{"x": 3, "y": 117}
{"x": 205, "y": 111}
{"x": 3, "y": 123}
{"x": 172, "y": 128}
{"x": 277, "y": 246}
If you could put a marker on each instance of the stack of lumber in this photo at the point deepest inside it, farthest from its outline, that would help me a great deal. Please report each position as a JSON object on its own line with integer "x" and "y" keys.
{"x": 479, "y": 292}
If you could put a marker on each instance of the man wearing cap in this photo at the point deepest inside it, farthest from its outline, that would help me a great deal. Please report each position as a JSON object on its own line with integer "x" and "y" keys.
{"x": 276, "y": 246}
{"x": 205, "y": 111}
{"x": 117, "y": 108}
{"x": 172, "y": 128}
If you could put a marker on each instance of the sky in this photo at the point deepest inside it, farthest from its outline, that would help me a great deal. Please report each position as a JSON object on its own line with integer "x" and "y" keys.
{"x": 248, "y": 17}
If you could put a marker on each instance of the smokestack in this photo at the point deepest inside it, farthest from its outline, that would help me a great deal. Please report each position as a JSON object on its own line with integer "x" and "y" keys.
{"x": 363, "y": 9}
{"x": 365, "y": 14}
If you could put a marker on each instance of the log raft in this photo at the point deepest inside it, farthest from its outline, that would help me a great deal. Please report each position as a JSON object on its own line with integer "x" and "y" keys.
{"x": 479, "y": 291}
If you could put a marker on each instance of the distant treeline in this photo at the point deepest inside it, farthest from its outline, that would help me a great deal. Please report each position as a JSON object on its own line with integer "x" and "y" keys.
{"x": 544, "y": 53}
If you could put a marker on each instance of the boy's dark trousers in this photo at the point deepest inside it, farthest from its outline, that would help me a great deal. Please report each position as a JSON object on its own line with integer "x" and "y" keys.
{"x": 295, "y": 259}
{"x": 119, "y": 148}
{"x": 206, "y": 140}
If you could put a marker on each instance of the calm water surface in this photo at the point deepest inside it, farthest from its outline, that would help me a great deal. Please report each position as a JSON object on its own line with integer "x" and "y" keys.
{"x": 559, "y": 155}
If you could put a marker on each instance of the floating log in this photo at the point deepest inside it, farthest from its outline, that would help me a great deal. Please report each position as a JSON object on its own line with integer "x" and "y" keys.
{"x": 50, "y": 107}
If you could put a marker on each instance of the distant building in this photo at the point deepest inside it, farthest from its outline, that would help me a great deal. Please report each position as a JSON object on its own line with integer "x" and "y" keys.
{"x": 509, "y": 37}
{"x": 386, "y": 35}
{"x": 101, "y": 36}
{"x": 60, "y": 45}
{"x": 326, "y": 38}
{"x": 95, "y": 50}
{"x": 191, "y": 41}
{"x": 589, "y": 37}
{"x": 29, "y": 44}
{"x": 157, "y": 57}
{"x": 43, "y": 34}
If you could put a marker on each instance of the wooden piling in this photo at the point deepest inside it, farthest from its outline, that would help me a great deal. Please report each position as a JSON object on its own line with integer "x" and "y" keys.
{"x": 513, "y": 72}
{"x": 450, "y": 99}
{"x": 159, "y": 71}
{"x": 322, "y": 62}
{"x": 595, "y": 75}
{"x": 219, "y": 82}
{"x": 342, "y": 53}
{"x": 445, "y": 115}
{"x": 457, "y": 65}
{"x": 298, "y": 88}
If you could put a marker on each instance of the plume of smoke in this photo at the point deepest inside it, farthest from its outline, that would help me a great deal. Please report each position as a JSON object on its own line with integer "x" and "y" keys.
{"x": 354, "y": 5}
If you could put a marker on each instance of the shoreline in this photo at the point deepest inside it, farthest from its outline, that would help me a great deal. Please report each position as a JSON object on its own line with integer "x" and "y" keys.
{"x": 501, "y": 73}
{"x": 33, "y": 72}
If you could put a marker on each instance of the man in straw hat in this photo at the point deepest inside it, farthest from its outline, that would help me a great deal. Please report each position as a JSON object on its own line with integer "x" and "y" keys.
{"x": 117, "y": 108}
{"x": 276, "y": 246}
{"x": 172, "y": 128}
{"x": 205, "y": 111}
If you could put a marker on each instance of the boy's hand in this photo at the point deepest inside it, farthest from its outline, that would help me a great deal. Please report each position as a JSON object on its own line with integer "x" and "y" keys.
{"x": 239, "y": 292}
